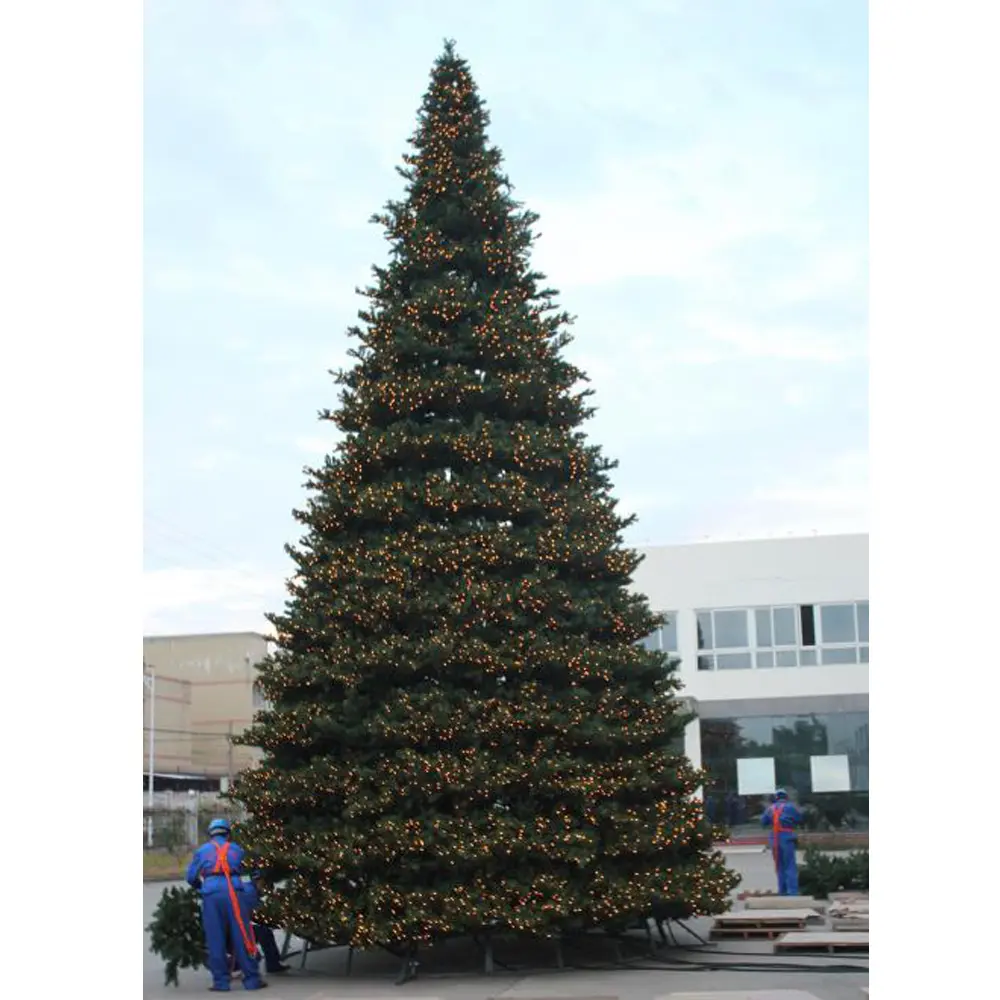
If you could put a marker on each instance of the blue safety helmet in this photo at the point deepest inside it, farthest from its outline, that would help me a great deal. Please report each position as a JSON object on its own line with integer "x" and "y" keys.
{"x": 781, "y": 794}
{"x": 218, "y": 826}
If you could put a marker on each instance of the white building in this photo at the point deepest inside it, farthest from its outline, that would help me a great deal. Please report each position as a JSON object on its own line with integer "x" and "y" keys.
{"x": 773, "y": 641}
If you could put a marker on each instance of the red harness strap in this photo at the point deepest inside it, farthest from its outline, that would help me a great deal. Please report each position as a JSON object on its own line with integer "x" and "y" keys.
{"x": 222, "y": 868}
{"x": 777, "y": 828}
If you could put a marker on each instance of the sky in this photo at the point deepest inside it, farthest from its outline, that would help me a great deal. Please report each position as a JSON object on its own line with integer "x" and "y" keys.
{"x": 700, "y": 170}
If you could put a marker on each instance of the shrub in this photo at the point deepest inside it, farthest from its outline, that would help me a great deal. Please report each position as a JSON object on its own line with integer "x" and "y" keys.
{"x": 822, "y": 873}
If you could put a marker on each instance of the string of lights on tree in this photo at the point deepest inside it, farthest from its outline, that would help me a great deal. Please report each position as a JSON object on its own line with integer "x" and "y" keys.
{"x": 464, "y": 732}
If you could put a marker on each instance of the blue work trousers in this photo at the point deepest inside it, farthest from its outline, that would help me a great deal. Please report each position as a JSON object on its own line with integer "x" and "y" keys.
{"x": 221, "y": 927}
{"x": 785, "y": 864}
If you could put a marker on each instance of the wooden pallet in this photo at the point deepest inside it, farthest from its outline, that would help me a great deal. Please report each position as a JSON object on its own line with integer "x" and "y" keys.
{"x": 757, "y": 925}
{"x": 835, "y": 941}
{"x": 849, "y": 923}
{"x": 760, "y": 918}
{"x": 784, "y": 903}
{"x": 747, "y": 933}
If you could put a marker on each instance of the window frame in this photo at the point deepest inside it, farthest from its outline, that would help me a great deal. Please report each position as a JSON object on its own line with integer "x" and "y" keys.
{"x": 707, "y": 654}
{"x": 659, "y": 633}
{"x": 258, "y": 701}
{"x": 823, "y": 646}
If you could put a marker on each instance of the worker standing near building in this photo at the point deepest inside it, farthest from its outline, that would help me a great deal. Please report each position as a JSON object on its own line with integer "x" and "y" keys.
{"x": 781, "y": 818}
{"x": 216, "y": 869}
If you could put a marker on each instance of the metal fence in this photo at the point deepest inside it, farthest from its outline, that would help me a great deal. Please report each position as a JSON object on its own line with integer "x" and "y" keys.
{"x": 179, "y": 821}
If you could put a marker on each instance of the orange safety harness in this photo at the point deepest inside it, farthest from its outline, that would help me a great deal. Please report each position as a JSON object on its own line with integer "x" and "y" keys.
{"x": 222, "y": 868}
{"x": 777, "y": 828}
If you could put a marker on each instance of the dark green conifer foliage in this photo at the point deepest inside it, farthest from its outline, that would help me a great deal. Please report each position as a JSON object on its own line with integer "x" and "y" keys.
{"x": 464, "y": 732}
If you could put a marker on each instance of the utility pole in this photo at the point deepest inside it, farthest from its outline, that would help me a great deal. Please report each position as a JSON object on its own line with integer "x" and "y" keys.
{"x": 149, "y": 683}
{"x": 230, "y": 757}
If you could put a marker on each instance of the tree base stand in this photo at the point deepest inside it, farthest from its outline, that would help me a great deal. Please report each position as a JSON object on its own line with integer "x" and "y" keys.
{"x": 663, "y": 926}
{"x": 409, "y": 966}
{"x": 408, "y": 969}
{"x": 486, "y": 947}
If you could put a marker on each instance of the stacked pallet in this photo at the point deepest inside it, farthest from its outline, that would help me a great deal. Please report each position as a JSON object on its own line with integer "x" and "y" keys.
{"x": 786, "y": 903}
{"x": 825, "y": 941}
{"x": 848, "y": 930}
{"x": 757, "y": 924}
{"x": 849, "y": 912}
{"x": 786, "y": 921}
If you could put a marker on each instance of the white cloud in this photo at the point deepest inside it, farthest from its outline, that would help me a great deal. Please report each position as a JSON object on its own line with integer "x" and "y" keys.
{"x": 644, "y": 503}
{"x": 838, "y": 272}
{"x": 795, "y": 396}
{"x": 315, "y": 446}
{"x": 174, "y": 588}
{"x": 253, "y": 278}
{"x": 670, "y": 214}
{"x": 209, "y": 461}
{"x": 756, "y": 339}
{"x": 258, "y": 13}
{"x": 179, "y": 600}
{"x": 840, "y": 488}
{"x": 825, "y": 498}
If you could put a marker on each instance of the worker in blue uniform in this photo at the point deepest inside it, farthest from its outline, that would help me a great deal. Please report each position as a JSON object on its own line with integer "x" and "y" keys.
{"x": 250, "y": 900}
{"x": 781, "y": 818}
{"x": 216, "y": 869}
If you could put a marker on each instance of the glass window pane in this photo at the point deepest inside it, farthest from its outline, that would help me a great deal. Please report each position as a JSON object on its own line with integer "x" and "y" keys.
{"x": 651, "y": 641}
{"x": 731, "y": 630}
{"x": 668, "y": 634}
{"x": 705, "y": 630}
{"x": 706, "y": 662}
{"x": 807, "y": 657}
{"x": 830, "y": 773}
{"x": 864, "y": 654}
{"x": 766, "y": 659}
{"x": 837, "y": 623}
{"x": 839, "y": 655}
{"x": 733, "y": 661}
{"x": 863, "y": 621}
{"x": 763, "y": 621}
{"x": 755, "y": 775}
{"x": 807, "y": 624}
{"x": 757, "y": 731}
{"x": 784, "y": 627}
{"x": 786, "y": 658}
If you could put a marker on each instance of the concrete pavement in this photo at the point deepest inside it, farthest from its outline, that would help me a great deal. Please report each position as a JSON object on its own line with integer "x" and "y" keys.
{"x": 454, "y": 972}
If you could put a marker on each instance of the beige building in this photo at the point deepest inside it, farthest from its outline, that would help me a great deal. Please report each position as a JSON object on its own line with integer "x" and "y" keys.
{"x": 166, "y": 716}
{"x": 203, "y": 693}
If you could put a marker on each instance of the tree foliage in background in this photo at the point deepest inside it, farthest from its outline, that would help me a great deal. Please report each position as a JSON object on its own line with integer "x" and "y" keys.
{"x": 464, "y": 731}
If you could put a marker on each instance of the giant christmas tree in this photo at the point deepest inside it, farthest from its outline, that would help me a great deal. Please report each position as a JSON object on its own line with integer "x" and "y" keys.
{"x": 464, "y": 732}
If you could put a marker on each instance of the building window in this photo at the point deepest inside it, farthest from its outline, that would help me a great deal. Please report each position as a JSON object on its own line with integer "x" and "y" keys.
{"x": 260, "y": 702}
{"x": 724, "y": 641}
{"x": 838, "y": 623}
{"x": 664, "y": 639}
{"x": 730, "y": 629}
{"x": 822, "y": 760}
{"x": 775, "y": 628}
{"x": 804, "y": 635}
